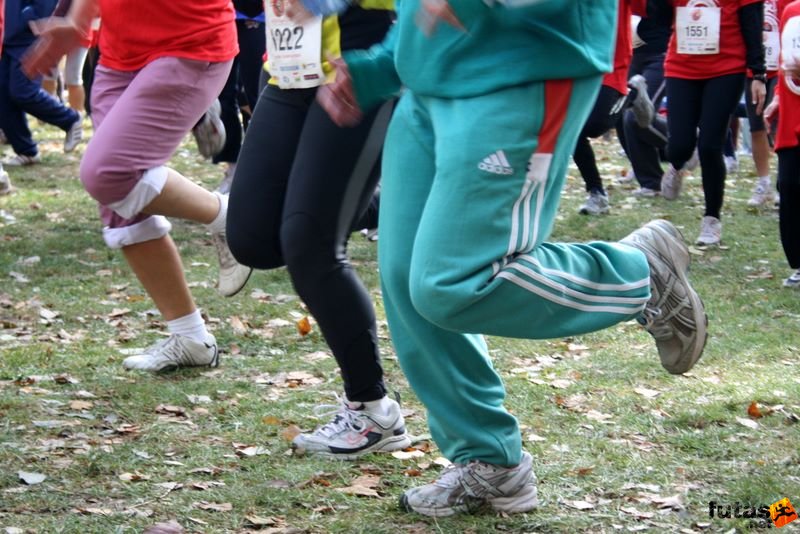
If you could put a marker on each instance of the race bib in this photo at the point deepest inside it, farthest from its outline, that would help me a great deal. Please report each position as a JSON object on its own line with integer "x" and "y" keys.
{"x": 697, "y": 29}
{"x": 772, "y": 49}
{"x": 294, "y": 50}
{"x": 790, "y": 51}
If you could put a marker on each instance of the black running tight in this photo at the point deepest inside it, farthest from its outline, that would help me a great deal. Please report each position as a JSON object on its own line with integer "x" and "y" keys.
{"x": 300, "y": 185}
{"x": 789, "y": 188}
{"x": 706, "y": 105}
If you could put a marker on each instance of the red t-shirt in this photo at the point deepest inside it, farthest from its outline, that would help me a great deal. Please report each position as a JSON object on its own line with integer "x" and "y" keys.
{"x": 618, "y": 78}
{"x": 2, "y": 10}
{"x": 137, "y": 32}
{"x": 788, "y": 134}
{"x": 732, "y": 52}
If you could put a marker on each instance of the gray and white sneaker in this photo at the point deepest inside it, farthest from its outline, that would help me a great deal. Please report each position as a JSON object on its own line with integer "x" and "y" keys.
{"x": 645, "y": 192}
{"x": 671, "y": 183}
{"x": 675, "y": 315}
{"x": 465, "y": 488}
{"x": 74, "y": 136}
{"x": 173, "y": 353}
{"x": 233, "y": 275}
{"x": 710, "y": 231}
{"x": 763, "y": 194}
{"x": 21, "y": 160}
{"x": 793, "y": 281}
{"x": 355, "y": 431}
{"x": 596, "y": 204}
{"x": 642, "y": 106}
{"x": 209, "y": 132}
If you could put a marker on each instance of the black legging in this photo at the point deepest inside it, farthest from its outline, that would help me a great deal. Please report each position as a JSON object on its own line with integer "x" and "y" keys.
{"x": 606, "y": 112}
{"x": 789, "y": 187}
{"x": 300, "y": 184}
{"x": 707, "y": 105}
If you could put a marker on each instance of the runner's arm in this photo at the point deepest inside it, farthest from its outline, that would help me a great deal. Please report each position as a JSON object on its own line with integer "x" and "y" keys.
{"x": 373, "y": 73}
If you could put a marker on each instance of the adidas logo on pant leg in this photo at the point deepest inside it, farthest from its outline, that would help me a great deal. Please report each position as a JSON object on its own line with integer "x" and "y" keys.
{"x": 496, "y": 164}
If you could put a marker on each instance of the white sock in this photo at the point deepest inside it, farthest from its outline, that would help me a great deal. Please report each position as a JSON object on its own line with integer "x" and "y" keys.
{"x": 217, "y": 226}
{"x": 378, "y": 407}
{"x": 764, "y": 178}
{"x": 191, "y": 326}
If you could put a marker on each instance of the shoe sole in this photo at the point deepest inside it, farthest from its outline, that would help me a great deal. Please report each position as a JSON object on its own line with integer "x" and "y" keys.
{"x": 239, "y": 289}
{"x": 523, "y": 501}
{"x": 669, "y": 231}
{"x": 390, "y": 444}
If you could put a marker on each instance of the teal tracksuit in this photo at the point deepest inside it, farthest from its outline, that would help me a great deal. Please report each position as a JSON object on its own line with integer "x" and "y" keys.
{"x": 473, "y": 168}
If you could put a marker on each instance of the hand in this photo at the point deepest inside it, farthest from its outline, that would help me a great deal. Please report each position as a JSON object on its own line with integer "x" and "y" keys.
{"x": 57, "y": 37}
{"x": 338, "y": 98}
{"x": 771, "y": 111}
{"x": 296, "y": 11}
{"x": 434, "y": 11}
{"x": 758, "y": 94}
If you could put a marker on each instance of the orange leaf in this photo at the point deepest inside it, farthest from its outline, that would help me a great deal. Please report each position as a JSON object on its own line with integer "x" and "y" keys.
{"x": 304, "y": 326}
{"x": 753, "y": 410}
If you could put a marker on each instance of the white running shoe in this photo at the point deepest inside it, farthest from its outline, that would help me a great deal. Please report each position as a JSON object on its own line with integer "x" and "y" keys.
{"x": 74, "y": 135}
{"x": 209, "y": 133}
{"x": 731, "y": 164}
{"x": 793, "y": 281}
{"x": 693, "y": 162}
{"x": 465, "y": 488}
{"x": 355, "y": 431}
{"x": 763, "y": 194}
{"x": 675, "y": 315}
{"x": 596, "y": 204}
{"x": 173, "y": 353}
{"x": 21, "y": 160}
{"x": 671, "y": 183}
{"x": 232, "y": 275}
{"x": 642, "y": 106}
{"x": 710, "y": 231}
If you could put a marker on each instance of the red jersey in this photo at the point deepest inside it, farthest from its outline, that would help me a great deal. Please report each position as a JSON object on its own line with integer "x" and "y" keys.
{"x": 618, "y": 78}
{"x": 788, "y": 134}
{"x": 730, "y": 59}
{"x": 2, "y": 10}
{"x": 137, "y": 32}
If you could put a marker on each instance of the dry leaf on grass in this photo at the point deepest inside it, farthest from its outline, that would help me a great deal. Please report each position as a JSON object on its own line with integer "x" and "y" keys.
{"x": 30, "y": 478}
{"x": 290, "y": 432}
{"x": 171, "y": 527}
{"x": 81, "y": 405}
{"x": 304, "y": 326}
{"x": 749, "y": 423}
{"x": 133, "y": 477}
{"x": 214, "y": 506}
{"x": 579, "y": 505}
{"x": 754, "y": 411}
{"x": 647, "y": 393}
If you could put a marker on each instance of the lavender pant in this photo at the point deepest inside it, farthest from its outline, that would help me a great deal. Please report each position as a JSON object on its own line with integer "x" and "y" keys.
{"x": 140, "y": 119}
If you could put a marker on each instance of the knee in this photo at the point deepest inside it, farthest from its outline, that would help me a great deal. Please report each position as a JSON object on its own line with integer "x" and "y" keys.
{"x": 437, "y": 301}
{"x": 308, "y": 255}
{"x": 91, "y": 171}
{"x": 248, "y": 243}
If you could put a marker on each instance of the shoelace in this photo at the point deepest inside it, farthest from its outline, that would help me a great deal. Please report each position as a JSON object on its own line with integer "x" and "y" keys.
{"x": 165, "y": 349}
{"x": 344, "y": 418}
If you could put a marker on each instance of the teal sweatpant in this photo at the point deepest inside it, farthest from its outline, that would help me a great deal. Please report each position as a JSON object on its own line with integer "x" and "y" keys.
{"x": 470, "y": 189}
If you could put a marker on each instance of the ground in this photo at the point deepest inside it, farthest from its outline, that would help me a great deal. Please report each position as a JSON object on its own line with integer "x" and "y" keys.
{"x": 619, "y": 445}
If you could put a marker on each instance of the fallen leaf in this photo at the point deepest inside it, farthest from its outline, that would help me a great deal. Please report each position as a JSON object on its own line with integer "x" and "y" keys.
{"x": 81, "y": 405}
{"x": 535, "y": 437}
{"x": 304, "y": 326}
{"x": 171, "y": 527}
{"x": 214, "y": 506}
{"x": 673, "y": 502}
{"x": 238, "y": 326}
{"x": 749, "y": 423}
{"x": 119, "y": 312}
{"x": 561, "y": 383}
{"x": 290, "y": 432}
{"x": 255, "y": 521}
{"x": 408, "y": 455}
{"x": 579, "y": 505}
{"x": 360, "y": 491}
{"x": 199, "y": 399}
{"x": 250, "y": 450}
{"x": 648, "y": 393}
{"x": 94, "y": 511}
{"x": 31, "y": 478}
{"x": 170, "y": 409}
{"x": 133, "y": 477}
{"x": 631, "y": 511}
{"x": 753, "y": 410}
{"x": 48, "y": 315}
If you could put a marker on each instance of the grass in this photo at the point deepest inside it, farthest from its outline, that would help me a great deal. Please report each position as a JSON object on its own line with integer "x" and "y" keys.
{"x": 611, "y": 433}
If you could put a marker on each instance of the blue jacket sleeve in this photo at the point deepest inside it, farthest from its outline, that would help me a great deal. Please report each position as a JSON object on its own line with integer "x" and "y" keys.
{"x": 39, "y": 9}
{"x": 373, "y": 72}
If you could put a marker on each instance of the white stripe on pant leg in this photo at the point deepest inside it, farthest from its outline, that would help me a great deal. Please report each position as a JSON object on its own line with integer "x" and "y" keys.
{"x": 512, "y": 242}
{"x": 146, "y": 230}
{"x": 644, "y": 282}
{"x": 561, "y": 288}
{"x": 538, "y": 172}
{"x": 566, "y": 302}
{"x": 146, "y": 189}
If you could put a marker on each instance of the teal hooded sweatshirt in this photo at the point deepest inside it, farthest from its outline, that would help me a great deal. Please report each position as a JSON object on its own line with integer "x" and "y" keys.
{"x": 503, "y": 44}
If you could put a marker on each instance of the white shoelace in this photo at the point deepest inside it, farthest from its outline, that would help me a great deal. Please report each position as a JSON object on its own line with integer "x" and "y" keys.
{"x": 344, "y": 418}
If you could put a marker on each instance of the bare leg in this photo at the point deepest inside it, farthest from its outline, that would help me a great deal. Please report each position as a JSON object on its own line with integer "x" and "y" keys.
{"x": 157, "y": 264}
{"x": 184, "y": 199}
{"x": 761, "y": 152}
{"x": 76, "y": 96}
